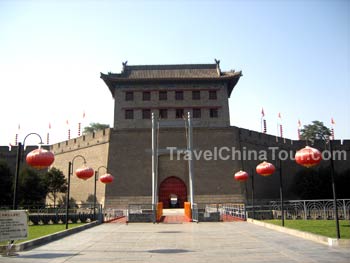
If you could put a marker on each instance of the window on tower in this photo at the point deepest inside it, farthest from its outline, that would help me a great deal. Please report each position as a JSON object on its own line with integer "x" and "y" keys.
{"x": 129, "y": 114}
{"x": 129, "y": 95}
{"x": 179, "y": 95}
{"x": 212, "y": 94}
{"x": 146, "y": 95}
{"x": 196, "y": 95}
{"x": 163, "y": 113}
{"x": 196, "y": 113}
{"x": 163, "y": 95}
{"x": 146, "y": 114}
{"x": 214, "y": 113}
{"x": 179, "y": 113}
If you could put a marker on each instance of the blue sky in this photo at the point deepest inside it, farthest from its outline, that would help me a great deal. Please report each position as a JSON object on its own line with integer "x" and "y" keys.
{"x": 294, "y": 55}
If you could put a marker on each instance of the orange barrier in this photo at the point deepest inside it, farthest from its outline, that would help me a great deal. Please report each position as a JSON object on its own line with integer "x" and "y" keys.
{"x": 159, "y": 211}
{"x": 188, "y": 212}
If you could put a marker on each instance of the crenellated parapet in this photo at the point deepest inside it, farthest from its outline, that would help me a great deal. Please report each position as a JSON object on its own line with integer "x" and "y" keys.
{"x": 84, "y": 141}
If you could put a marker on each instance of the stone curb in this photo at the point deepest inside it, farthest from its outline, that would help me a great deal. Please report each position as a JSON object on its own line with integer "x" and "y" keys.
{"x": 49, "y": 238}
{"x": 333, "y": 242}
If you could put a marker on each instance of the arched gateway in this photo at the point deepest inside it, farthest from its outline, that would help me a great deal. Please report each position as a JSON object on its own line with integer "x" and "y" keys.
{"x": 172, "y": 192}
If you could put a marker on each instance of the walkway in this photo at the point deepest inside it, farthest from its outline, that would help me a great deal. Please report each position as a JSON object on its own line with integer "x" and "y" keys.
{"x": 187, "y": 242}
{"x": 174, "y": 216}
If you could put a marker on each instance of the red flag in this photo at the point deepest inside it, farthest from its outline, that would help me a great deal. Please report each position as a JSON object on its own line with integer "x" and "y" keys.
{"x": 299, "y": 123}
{"x": 83, "y": 114}
{"x": 332, "y": 121}
{"x": 49, "y": 125}
{"x": 279, "y": 115}
{"x": 262, "y": 112}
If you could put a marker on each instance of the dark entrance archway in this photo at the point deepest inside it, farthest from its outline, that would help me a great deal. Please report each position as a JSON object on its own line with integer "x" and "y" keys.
{"x": 172, "y": 192}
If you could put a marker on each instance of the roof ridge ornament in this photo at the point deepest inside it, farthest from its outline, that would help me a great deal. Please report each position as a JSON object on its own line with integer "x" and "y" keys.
{"x": 124, "y": 65}
{"x": 217, "y": 61}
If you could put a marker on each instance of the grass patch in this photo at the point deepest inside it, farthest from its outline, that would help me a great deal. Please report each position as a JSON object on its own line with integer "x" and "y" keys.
{"x": 36, "y": 231}
{"x": 320, "y": 227}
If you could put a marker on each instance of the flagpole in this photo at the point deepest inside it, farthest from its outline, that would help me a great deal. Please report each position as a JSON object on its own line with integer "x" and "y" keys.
{"x": 68, "y": 129}
{"x": 299, "y": 126}
{"x": 263, "y": 121}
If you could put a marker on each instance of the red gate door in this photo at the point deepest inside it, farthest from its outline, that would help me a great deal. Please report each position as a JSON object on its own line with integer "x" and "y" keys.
{"x": 170, "y": 189}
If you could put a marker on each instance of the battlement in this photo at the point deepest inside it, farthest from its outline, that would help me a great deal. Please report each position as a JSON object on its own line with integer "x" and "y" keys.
{"x": 262, "y": 139}
{"x": 84, "y": 141}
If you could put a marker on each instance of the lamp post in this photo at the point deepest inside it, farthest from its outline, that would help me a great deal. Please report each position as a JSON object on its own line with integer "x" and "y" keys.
{"x": 83, "y": 173}
{"x": 309, "y": 157}
{"x": 333, "y": 190}
{"x": 106, "y": 179}
{"x": 95, "y": 180}
{"x": 265, "y": 169}
{"x": 242, "y": 176}
{"x": 38, "y": 158}
{"x": 281, "y": 191}
{"x": 252, "y": 172}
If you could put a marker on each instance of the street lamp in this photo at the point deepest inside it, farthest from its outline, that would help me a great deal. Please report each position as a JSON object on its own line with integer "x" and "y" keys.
{"x": 106, "y": 179}
{"x": 242, "y": 176}
{"x": 82, "y": 173}
{"x": 309, "y": 157}
{"x": 265, "y": 169}
{"x": 38, "y": 158}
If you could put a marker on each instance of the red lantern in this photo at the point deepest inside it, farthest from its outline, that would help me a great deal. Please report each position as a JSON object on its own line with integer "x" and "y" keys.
{"x": 265, "y": 169}
{"x": 40, "y": 158}
{"x": 84, "y": 173}
{"x": 241, "y": 176}
{"x": 308, "y": 156}
{"x": 106, "y": 178}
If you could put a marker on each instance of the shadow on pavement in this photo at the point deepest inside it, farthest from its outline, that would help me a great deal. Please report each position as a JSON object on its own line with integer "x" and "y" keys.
{"x": 169, "y": 251}
{"x": 48, "y": 255}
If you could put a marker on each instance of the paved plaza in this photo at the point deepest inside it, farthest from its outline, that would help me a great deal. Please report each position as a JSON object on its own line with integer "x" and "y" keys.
{"x": 187, "y": 242}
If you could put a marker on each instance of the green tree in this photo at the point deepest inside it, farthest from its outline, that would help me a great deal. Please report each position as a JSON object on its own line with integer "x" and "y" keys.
{"x": 93, "y": 127}
{"x": 32, "y": 188}
{"x": 91, "y": 199}
{"x": 315, "y": 131}
{"x": 62, "y": 201}
{"x": 55, "y": 183}
{"x": 6, "y": 184}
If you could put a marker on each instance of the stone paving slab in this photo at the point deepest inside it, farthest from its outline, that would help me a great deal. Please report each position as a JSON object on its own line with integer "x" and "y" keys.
{"x": 188, "y": 242}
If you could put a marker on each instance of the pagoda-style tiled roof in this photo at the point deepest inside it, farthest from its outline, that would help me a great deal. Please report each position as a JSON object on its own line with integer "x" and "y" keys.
{"x": 170, "y": 73}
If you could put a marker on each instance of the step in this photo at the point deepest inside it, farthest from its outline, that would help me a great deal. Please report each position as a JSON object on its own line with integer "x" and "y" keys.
{"x": 174, "y": 219}
{"x": 174, "y": 212}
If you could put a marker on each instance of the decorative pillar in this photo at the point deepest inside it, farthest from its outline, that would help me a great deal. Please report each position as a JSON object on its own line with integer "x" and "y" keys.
{"x": 190, "y": 162}
{"x": 154, "y": 156}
